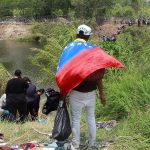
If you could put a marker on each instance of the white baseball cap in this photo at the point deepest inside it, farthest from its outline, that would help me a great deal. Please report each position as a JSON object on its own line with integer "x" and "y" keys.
{"x": 86, "y": 29}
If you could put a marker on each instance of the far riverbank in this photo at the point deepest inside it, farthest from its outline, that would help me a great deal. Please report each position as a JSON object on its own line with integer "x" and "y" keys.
{"x": 13, "y": 30}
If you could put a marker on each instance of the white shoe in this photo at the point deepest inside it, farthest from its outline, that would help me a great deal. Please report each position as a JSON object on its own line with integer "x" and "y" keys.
{"x": 91, "y": 145}
{"x": 71, "y": 147}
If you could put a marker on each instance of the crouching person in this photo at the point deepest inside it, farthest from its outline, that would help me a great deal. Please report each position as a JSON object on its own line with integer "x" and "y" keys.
{"x": 3, "y": 110}
{"x": 15, "y": 97}
{"x": 2, "y": 103}
{"x": 30, "y": 97}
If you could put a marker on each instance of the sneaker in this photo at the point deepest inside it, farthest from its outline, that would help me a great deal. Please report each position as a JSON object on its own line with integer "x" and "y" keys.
{"x": 71, "y": 147}
{"x": 91, "y": 146}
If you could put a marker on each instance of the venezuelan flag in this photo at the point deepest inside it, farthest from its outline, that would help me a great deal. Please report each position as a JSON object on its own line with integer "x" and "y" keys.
{"x": 78, "y": 60}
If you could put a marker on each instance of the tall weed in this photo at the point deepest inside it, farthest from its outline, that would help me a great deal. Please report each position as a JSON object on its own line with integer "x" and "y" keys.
{"x": 4, "y": 77}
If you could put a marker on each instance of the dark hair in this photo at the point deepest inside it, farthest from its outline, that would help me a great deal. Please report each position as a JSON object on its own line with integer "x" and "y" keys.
{"x": 41, "y": 90}
{"x": 18, "y": 73}
{"x": 26, "y": 79}
{"x": 82, "y": 36}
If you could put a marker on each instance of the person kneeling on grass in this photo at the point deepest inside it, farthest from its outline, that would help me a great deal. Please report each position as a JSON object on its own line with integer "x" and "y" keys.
{"x": 2, "y": 103}
{"x": 30, "y": 97}
{"x": 3, "y": 111}
{"x": 15, "y": 97}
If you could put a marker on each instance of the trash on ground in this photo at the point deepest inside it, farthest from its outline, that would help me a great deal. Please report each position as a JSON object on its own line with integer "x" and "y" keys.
{"x": 108, "y": 125}
{"x": 41, "y": 120}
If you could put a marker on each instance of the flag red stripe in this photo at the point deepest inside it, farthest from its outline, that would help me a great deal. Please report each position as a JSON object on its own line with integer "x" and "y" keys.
{"x": 82, "y": 65}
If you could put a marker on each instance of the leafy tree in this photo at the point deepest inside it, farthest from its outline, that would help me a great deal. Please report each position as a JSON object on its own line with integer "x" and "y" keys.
{"x": 37, "y": 8}
{"x": 6, "y": 8}
{"x": 62, "y": 5}
{"x": 91, "y": 8}
{"x": 97, "y": 9}
{"x": 123, "y": 11}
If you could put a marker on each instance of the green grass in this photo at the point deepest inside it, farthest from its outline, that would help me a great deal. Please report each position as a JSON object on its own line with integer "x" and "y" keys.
{"x": 127, "y": 91}
{"x": 130, "y": 134}
{"x": 16, "y": 134}
{"x": 25, "y": 40}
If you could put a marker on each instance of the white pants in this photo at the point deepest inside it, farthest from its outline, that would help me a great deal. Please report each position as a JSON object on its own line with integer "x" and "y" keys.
{"x": 79, "y": 100}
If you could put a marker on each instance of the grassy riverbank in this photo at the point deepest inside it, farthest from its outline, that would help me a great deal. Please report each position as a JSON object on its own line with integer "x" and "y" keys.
{"x": 127, "y": 90}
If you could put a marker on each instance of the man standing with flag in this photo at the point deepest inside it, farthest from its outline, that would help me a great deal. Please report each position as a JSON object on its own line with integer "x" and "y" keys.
{"x": 80, "y": 72}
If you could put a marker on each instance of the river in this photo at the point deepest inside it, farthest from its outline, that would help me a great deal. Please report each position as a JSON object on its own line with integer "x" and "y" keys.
{"x": 15, "y": 55}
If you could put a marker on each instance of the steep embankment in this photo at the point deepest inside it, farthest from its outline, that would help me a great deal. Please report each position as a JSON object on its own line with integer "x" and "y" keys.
{"x": 13, "y": 31}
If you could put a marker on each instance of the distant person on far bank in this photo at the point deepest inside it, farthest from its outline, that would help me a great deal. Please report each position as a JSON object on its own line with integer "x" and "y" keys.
{"x": 15, "y": 97}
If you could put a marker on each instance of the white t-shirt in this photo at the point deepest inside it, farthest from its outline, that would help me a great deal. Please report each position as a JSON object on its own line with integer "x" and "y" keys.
{"x": 2, "y": 100}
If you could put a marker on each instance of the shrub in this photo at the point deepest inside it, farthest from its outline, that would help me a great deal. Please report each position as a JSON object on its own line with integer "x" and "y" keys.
{"x": 4, "y": 77}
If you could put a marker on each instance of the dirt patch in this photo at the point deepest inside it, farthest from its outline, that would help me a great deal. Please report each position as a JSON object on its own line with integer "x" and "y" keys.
{"x": 17, "y": 30}
{"x": 14, "y": 31}
{"x": 109, "y": 28}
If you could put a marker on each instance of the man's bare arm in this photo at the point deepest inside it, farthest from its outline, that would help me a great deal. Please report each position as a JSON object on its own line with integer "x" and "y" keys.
{"x": 100, "y": 88}
{"x": 101, "y": 94}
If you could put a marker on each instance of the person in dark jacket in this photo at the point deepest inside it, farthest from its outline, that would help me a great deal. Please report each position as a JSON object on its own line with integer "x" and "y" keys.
{"x": 30, "y": 97}
{"x": 15, "y": 97}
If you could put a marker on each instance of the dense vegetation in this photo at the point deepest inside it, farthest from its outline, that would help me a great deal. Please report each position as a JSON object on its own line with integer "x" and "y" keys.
{"x": 98, "y": 9}
{"x": 4, "y": 77}
{"x": 127, "y": 90}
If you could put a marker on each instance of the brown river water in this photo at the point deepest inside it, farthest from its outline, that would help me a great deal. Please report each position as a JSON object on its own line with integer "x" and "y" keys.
{"x": 15, "y": 55}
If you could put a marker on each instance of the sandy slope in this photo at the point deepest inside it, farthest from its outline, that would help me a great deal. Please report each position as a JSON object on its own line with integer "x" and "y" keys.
{"x": 14, "y": 31}
{"x": 21, "y": 30}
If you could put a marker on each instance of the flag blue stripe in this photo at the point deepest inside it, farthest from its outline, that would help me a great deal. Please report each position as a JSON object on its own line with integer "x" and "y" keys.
{"x": 72, "y": 50}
